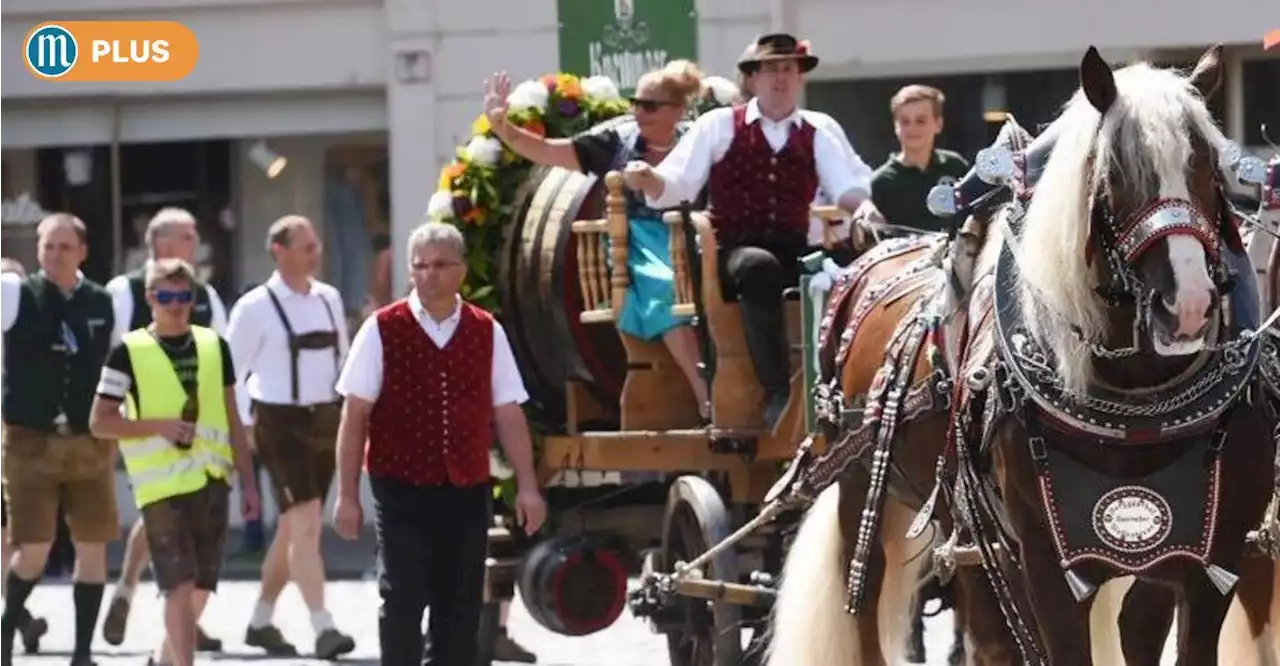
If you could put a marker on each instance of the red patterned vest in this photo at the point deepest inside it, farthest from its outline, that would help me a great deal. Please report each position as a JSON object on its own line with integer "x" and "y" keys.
{"x": 432, "y": 422}
{"x": 758, "y": 195}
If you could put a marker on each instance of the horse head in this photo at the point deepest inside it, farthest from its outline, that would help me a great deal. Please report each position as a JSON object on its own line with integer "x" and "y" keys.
{"x": 1126, "y": 227}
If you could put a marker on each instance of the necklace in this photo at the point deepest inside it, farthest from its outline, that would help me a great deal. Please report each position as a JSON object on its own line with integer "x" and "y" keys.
{"x": 190, "y": 339}
{"x": 662, "y": 149}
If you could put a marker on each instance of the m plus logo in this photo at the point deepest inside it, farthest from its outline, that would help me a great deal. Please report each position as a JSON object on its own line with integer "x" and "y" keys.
{"x": 51, "y": 51}
{"x": 111, "y": 51}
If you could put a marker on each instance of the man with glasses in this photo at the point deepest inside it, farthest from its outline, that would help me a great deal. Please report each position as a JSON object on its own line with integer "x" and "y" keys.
{"x": 171, "y": 234}
{"x": 763, "y": 163}
{"x": 429, "y": 379}
{"x": 180, "y": 439}
{"x": 289, "y": 338}
{"x": 57, "y": 333}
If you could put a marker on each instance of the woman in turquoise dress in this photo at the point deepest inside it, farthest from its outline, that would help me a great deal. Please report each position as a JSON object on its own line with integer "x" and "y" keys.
{"x": 659, "y": 107}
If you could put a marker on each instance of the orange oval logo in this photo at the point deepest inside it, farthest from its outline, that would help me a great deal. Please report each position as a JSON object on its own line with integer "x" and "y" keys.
{"x": 111, "y": 51}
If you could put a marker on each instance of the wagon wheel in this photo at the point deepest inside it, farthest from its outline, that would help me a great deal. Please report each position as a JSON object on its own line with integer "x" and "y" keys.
{"x": 708, "y": 632}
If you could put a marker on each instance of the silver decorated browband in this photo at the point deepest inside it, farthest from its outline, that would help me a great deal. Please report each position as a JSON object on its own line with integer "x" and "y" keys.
{"x": 1166, "y": 217}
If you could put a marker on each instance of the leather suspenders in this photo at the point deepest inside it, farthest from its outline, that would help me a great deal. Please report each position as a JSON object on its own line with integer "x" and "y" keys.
{"x": 312, "y": 340}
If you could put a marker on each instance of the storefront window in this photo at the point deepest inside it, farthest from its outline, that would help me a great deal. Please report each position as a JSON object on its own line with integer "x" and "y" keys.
{"x": 1261, "y": 100}
{"x": 862, "y": 107}
{"x": 357, "y": 226}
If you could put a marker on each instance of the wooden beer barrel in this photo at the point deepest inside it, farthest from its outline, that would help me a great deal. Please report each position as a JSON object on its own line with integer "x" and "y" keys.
{"x": 572, "y": 586}
{"x": 541, "y": 300}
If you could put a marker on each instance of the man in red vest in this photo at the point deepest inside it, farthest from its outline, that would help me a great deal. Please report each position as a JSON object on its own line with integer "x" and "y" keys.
{"x": 426, "y": 381}
{"x": 764, "y": 162}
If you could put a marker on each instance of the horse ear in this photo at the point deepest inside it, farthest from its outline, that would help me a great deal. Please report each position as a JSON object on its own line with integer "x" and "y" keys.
{"x": 1097, "y": 80}
{"x": 1207, "y": 75}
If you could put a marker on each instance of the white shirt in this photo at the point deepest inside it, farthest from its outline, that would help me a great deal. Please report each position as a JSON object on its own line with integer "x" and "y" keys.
{"x": 823, "y": 121}
{"x": 122, "y": 302}
{"x": 362, "y": 374}
{"x": 686, "y": 169}
{"x": 11, "y": 301}
{"x": 259, "y": 344}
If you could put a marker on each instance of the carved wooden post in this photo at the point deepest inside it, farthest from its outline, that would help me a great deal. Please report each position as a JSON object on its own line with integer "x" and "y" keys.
{"x": 680, "y": 262}
{"x": 616, "y": 214}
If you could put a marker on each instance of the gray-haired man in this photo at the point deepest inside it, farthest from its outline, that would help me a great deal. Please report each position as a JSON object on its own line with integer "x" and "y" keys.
{"x": 428, "y": 380}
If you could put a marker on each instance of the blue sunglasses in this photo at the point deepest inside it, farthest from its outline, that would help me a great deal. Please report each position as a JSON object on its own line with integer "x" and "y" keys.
{"x": 165, "y": 297}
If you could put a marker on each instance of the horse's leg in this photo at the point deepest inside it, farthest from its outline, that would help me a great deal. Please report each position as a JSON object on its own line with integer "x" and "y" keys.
{"x": 1145, "y": 620}
{"x": 1201, "y": 610}
{"x": 904, "y": 562}
{"x": 1104, "y": 628}
{"x": 1247, "y": 637}
{"x": 1062, "y": 621}
{"x": 810, "y": 625}
{"x": 979, "y": 621}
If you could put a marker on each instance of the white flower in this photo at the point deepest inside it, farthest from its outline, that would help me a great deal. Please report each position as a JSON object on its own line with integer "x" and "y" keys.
{"x": 722, "y": 90}
{"x": 528, "y": 95}
{"x": 440, "y": 207}
{"x": 600, "y": 88}
{"x": 484, "y": 151}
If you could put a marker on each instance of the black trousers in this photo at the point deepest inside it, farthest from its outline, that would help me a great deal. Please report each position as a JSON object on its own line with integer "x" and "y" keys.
{"x": 431, "y": 548}
{"x": 756, "y": 274}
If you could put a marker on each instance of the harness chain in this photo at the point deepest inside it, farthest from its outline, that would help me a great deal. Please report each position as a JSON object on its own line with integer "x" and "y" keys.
{"x": 896, "y": 373}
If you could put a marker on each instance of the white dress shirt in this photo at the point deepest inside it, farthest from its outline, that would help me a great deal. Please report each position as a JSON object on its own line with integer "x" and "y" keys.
{"x": 122, "y": 302}
{"x": 686, "y": 169}
{"x": 362, "y": 374}
{"x": 260, "y": 346}
{"x": 822, "y": 121}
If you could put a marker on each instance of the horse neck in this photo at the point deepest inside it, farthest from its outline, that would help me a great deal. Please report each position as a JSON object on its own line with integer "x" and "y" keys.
{"x": 1145, "y": 369}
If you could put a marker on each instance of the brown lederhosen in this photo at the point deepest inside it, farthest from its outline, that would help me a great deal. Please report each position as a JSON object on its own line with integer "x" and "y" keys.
{"x": 296, "y": 442}
{"x": 42, "y": 468}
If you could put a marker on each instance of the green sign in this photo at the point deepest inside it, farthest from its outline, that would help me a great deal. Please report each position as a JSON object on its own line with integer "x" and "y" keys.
{"x": 623, "y": 39}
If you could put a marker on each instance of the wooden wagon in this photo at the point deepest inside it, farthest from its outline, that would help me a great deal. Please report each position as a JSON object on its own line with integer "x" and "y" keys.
{"x": 620, "y": 404}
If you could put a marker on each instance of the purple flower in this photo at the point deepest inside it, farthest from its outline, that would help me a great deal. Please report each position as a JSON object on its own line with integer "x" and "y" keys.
{"x": 568, "y": 107}
{"x": 461, "y": 206}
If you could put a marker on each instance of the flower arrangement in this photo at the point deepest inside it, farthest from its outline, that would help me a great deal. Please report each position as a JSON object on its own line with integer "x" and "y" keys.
{"x": 477, "y": 190}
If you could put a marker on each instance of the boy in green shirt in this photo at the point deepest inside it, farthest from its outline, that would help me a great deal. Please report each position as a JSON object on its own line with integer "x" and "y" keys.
{"x": 899, "y": 187}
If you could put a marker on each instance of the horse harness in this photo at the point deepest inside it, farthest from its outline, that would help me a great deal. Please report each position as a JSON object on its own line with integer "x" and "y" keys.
{"x": 1008, "y": 374}
{"x": 1004, "y": 373}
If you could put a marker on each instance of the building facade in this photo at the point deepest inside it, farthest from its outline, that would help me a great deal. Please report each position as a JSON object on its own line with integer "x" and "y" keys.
{"x": 365, "y": 99}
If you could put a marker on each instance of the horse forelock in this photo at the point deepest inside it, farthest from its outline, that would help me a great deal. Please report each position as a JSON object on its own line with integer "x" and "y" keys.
{"x": 1145, "y": 146}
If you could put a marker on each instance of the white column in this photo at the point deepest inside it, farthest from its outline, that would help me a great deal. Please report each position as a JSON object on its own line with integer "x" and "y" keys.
{"x": 1233, "y": 95}
{"x": 411, "y": 117}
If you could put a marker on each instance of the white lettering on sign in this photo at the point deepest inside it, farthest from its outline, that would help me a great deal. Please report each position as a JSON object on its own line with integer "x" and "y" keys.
{"x": 1132, "y": 519}
{"x": 23, "y": 210}
{"x": 625, "y": 67}
{"x": 136, "y": 51}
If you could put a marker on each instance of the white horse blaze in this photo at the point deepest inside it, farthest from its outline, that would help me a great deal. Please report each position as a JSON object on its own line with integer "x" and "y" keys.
{"x": 1193, "y": 289}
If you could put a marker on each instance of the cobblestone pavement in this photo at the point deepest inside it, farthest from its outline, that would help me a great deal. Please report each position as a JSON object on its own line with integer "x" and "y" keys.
{"x": 354, "y": 604}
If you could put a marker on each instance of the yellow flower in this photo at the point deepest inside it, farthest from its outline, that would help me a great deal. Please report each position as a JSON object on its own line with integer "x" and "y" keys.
{"x": 568, "y": 86}
{"x": 449, "y": 173}
{"x": 480, "y": 126}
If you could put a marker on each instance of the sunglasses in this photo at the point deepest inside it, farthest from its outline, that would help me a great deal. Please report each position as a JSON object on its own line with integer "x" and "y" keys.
{"x": 165, "y": 297}
{"x": 649, "y": 104}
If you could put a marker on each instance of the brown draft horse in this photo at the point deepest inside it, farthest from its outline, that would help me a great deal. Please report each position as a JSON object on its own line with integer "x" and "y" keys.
{"x": 1122, "y": 413}
{"x": 1147, "y": 613}
{"x": 869, "y": 349}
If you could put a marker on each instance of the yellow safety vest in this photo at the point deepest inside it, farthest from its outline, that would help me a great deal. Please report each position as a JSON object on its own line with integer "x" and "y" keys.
{"x": 157, "y": 468}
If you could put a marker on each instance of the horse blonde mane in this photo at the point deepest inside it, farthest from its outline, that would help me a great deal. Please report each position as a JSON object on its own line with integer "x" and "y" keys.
{"x": 1145, "y": 139}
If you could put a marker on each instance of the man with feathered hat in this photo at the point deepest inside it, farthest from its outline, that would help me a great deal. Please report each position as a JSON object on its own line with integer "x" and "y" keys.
{"x": 763, "y": 163}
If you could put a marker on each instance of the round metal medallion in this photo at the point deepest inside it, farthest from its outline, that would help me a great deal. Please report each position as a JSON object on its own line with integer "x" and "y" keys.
{"x": 1132, "y": 519}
